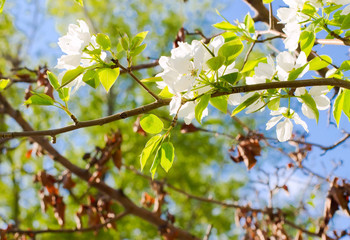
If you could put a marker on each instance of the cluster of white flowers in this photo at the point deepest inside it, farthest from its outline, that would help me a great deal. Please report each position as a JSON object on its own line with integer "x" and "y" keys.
{"x": 293, "y": 18}
{"x": 73, "y": 44}
{"x": 181, "y": 75}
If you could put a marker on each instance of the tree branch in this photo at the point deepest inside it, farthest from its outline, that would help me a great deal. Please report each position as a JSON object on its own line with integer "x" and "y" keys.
{"x": 88, "y": 229}
{"x": 163, "y": 102}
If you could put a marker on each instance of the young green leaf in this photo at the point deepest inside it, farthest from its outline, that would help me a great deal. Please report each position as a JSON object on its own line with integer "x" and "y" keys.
{"x": 3, "y": 83}
{"x": 165, "y": 93}
{"x": 345, "y": 66}
{"x": 231, "y": 78}
{"x": 338, "y": 107}
{"x": 231, "y": 50}
{"x": 346, "y": 22}
{"x": 346, "y": 105}
{"x": 138, "y": 50}
{"x": 150, "y": 147}
{"x": 294, "y": 74}
{"x": 156, "y": 162}
{"x": 91, "y": 78}
{"x": 203, "y": 103}
{"x": 125, "y": 42}
{"x": 64, "y": 94}
{"x": 274, "y": 104}
{"x": 246, "y": 104}
{"x": 319, "y": 62}
{"x": 267, "y": 1}
{"x": 40, "y": 99}
{"x": 138, "y": 39}
{"x": 307, "y": 41}
{"x": 53, "y": 80}
{"x": 220, "y": 103}
{"x": 151, "y": 124}
{"x": 216, "y": 62}
{"x": 167, "y": 156}
{"x": 225, "y": 26}
{"x": 249, "y": 23}
{"x": 310, "y": 102}
{"x": 108, "y": 76}
{"x": 104, "y": 41}
{"x": 250, "y": 64}
{"x": 70, "y": 75}
{"x": 308, "y": 9}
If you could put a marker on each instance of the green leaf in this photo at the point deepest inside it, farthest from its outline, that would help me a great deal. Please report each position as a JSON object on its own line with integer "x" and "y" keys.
{"x": 216, "y": 62}
{"x": 3, "y": 83}
{"x": 80, "y": 2}
{"x": 64, "y": 94}
{"x": 53, "y": 80}
{"x": 138, "y": 50}
{"x": 345, "y": 66}
{"x": 267, "y": 1}
{"x": 156, "y": 162}
{"x": 70, "y": 75}
{"x": 338, "y": 107}
{"x": 39, "y": 99}
{"x": 231, "y": 50}
{"x": 167, "y": 156}
{"x": 310, "y": 102}
{"x": 274, "y": 104}
{"x": 104, "y": 41}
{"x": 251, "y": 64}
{"x": 220, "y": 103}
{"x": 138, "y": 39}
{"x": 91, "y": 78}
{"x": 307, "y": 41}
{"x": 2, "y": 3}
{"x": 331, "y": 8}
{"x": 108, "y": 76}
{"x": 202, "y": 104}
{"x": 152, "y": 79}
{"x": 294, "y": 74}
{"x": 225, "y": 26}
{"x": 231, "y": 78}
{"x": 246, "y": 104}
{"x": 229, "y": 36}
{"x": 319, "y": 62}
{"x": 249, "y": 23}
{"x": 125, "y": 42}
{"x": 165, "y": 93}
{"x": 150, "y": 147}
{"x": 151, "y": 124}
{"x": 346, "y": 105}
{"x": 346, "y": 22}
{"x": 308, "y": 9}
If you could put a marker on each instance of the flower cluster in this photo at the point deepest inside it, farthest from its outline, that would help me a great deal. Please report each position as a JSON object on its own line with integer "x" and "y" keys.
{"x": 185, "y": 73}
{"x": 73, "y": 45}
{"x": 293, "y": 17}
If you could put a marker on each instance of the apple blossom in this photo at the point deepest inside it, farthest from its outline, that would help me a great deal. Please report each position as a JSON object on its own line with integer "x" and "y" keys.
{"x": 284, "y": 129}
{"x": 318, "y": 94}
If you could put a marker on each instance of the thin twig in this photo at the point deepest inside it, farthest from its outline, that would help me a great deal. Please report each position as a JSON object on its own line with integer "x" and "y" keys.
{"x": 129, "y": 71}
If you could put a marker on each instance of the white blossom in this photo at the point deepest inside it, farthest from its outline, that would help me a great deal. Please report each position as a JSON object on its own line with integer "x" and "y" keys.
{"x": 73, "y": 43}
{"x": 284, "y": 129}
{"x": 187, "y": 111}
{"x": 318, "y": 94}
{"x": 286, "y": 63}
